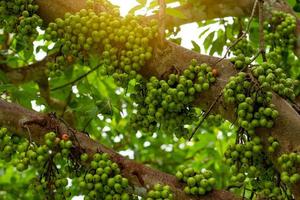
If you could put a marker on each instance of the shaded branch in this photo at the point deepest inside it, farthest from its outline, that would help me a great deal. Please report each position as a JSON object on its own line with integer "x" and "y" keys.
{"x": 206, "y": 10}
{"x": 15, "y": 118}
{"x": 244, "y": 33}
{"x": 37, "y": 72}
{"x": 43, "y": 84}
{"x": 32, "y": 72}
{"x": 77, "y": 79}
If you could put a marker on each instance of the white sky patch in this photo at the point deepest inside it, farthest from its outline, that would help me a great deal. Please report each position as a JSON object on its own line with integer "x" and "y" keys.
{"x": 167, "y": 147}
{"x": 100, "y": 116}
{"x": 69, "y": 182}
{"x": 104, "y": 134}
{"x": 41, "y": 54}
{"x": 75, "y": 89}
{"x": 181, "y": 146}
{"x": 175, "y": 139}
{"x": 220, "y": 135}
{"x": 36, "y": 107}
{"x": 188, "y": 32}
{"x": 106, "y": 129}
{"x": 119, "y": 91}
{"x": 118, "y": 138}
{"x": 229, "y": 133}
{"x": 128, "y": 153}
{"x": 78, "y": 198}
{"x": 138, "y": 134}
{"x": 154, "y": 135}
{"x": 147, "y": 144}
{"x": 124, "y": 113}
{"x": 190, "y": 143}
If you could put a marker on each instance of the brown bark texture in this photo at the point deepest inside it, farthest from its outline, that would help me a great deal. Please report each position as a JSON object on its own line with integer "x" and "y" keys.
{"x": 34, "y": 125}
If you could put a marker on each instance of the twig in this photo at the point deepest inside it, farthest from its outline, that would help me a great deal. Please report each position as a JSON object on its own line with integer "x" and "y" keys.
{"x": 77, "y": 79}
{"x": 261, "y": 30}
{"x": 29, "y": 134}
{"x": 162, "y": 20}
{"x": 243, "y": 35}
{"x": 256, "y": 55}
{"x": 206, "y": 114}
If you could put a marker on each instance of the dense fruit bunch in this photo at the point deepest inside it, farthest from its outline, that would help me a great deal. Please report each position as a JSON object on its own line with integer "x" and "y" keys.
{"x": 9, "y": 144}
{"x": 54, "y": 148}
{"x": 124, "y": 48}
{"x": 18, "y": 16}
{"x": 254, "y": 108}
{"x": 56, "y": 66}
{"x": 44, "y": 159}
{"x": 169, "y": 102}
{"x": 289, "y": 163}
{"x": 243, "y": 52}
{"x": 280, "y": 36}
{"x": 160, "y": 192}
{"x": 250, "y": 166}
{"x": 122, "y": 43}
{"x": 273, "y": 144}
{"x": 270, "y": 76}
{"x": 244, "y": 158}
{"x": 198, "y": 183}
{"x": 103, "y": 179}
{"x": 269, "y": 189}
{"x": 280, "y": 30}
{"x": 213, "y": 120}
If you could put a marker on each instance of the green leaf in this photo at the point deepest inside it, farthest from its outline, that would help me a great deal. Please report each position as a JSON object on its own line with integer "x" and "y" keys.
{"x": 175, "y": 13}
{"x": 203, "y": 32}
{"x": 94, "y": 60}
{"x": 208, "y": 40}
{"x": 43, "y": 48}
{"x": 104, "y": 106}
{"x": 196, "y": 47}
{"x": 142, "y": 2}
{"x": 254, "y": 30}
{"x": 218, "y": 44}
{"x": 154, "y": 3}
{"x": 12, "y": 61}
{"x": 135, "y": 8}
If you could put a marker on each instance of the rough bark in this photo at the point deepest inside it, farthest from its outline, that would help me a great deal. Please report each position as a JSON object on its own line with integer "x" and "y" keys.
{"x": 50, "y": 10}
{"x": 287, "y": 127}
{"x": 19, "y": 120}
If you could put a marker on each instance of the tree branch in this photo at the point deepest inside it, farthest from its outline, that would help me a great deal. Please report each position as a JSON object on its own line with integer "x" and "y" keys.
{"x": 227, "y": 8}
{"x": 50, "y": 10}
{"x": 287, "y": 127}
{"x": 32, "y": 72}
{"x": 207, "y": 10}
{"x": 15, "y": 117}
